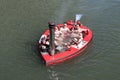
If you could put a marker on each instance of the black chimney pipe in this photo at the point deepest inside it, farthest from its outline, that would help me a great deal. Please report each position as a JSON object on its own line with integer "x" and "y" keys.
{"x": 52, "y": 37}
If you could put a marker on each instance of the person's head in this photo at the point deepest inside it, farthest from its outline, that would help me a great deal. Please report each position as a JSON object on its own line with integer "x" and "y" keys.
{"x": 43, "y": 47}
{"x": 78, "y": 22}
{"x": 65, "y": 24}
{"x": 71, "y": 20}
{"x": 57, "y": 28}
{"x": 77, "y": 25}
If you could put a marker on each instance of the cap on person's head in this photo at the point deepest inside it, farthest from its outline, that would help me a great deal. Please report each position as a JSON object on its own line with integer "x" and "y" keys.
{"x": 70, "y": 22}
{"x": 78, "y": 22}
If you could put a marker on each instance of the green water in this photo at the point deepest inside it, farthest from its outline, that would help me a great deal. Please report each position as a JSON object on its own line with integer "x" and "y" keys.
{"x": 23, "y": 21}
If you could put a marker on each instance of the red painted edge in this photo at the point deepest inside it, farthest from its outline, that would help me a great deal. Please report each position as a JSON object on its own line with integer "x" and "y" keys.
{"x": 61, "y": 57}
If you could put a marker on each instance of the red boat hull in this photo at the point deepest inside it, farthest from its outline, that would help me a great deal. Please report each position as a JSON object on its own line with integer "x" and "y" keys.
{"x": 70, "y": 53}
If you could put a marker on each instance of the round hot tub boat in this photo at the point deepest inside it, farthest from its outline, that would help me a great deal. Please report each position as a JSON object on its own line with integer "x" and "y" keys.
{"x": 64, "y": 41}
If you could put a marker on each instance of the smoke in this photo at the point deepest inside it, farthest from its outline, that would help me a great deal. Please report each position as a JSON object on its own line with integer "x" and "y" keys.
{"x": 63, "y": 11}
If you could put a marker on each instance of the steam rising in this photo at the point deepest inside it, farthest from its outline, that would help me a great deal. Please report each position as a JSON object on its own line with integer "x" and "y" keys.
{"x": 62, "y": 12}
